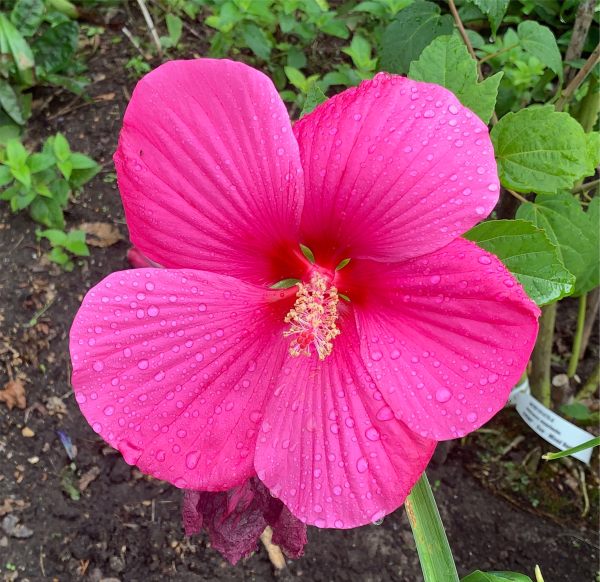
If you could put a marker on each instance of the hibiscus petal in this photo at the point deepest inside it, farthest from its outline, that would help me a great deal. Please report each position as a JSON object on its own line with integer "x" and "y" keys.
{"x": 209, "y": 170}
{"x": 326, "y": 451}
{"x": 394, "y": 169}
{"x": 445, "y": 336}
{"x": 173, "y": 368}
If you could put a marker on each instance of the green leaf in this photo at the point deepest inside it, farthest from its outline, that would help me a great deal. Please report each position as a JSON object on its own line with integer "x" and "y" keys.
{"x": 494, "y": 10}
{"x": 16, "y": 154}
{"x": 39, "y": 162}
{"x": 576, "y": 410}
{"x": 307, "y": 253}
{"x": 82, "y": 162}
{"x": 434, "y": 551}
{"x": 13, "y": 43}
{"x": 528, "y": 255}
{"x": 48, "y": 212}
{"x": 593, "y": 148}
{"x": 256, "y": 40}
{"x": 55, "y": 49}
{"x": 447, "y": 62}
{"x": 296, "y": 78}
{"x": 61, "y": 148}
{"x": 65, "y": 168}
{"x": 10, "y": 102}
{"x": 412, "y": 30}
{"x": 57, "y": 255}
{"x": 27, "y": 15}
{"x": 6, "y": 176}
{"x": 572, "y": 231}
{"x": 360, "y": 53}
{"x": 540, "y": 42}
{"x": 55, "y": 236}
{"x": 314, "y": 97}
{"x": 75, "y": 243}
{"x": 479, "y": 576}
{"x": 582, "y": 447}
{"x": 540, "y": 150}
{"x": 174, "y": 27}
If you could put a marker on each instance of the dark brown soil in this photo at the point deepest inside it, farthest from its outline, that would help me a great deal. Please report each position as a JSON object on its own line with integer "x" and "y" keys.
{"x": 126, "y": 526}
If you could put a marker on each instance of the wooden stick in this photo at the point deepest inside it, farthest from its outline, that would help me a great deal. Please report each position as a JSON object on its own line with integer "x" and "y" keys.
{"x": 578, "y": 79}
{"x": 150, "y": 24}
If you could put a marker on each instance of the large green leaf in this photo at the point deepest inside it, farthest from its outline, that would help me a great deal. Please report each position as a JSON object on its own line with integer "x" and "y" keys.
{"x": 27, "y": 15}
{"x": 10, "y": 102}
{"x": 55, "y": 49}
{"x": 435, "y": 555}
{"x": 539, "y": 41}
{"x": 574, "y": 233}
{"x": 540, "y": 150}
{"x": 447, "y": 62}
{"x": 494, "y": 10}
{"x": 528, "y": 255}
{"x": 13, "y": 43}
{"x": 412, "y": 30}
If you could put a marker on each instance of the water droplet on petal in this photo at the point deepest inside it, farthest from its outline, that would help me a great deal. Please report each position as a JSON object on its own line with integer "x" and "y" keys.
{"x": 362, "y": 465}
{"x": 443, "y": 395}
{"x": 191, "y": 460}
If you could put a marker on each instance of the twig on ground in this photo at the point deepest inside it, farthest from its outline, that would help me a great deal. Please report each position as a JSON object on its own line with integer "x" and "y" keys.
{"x": 150, "y": 24}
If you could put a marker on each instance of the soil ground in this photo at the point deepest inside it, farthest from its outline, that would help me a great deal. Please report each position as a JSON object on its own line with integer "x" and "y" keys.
{"x": 126, "y": 526}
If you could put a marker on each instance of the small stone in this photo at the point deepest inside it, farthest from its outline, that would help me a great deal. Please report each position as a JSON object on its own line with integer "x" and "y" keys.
{"x": 33, "y": 460}
{"x": 12, "y": 527}
{"x": 27, "y": 432}
{"x": 116, "y": 564}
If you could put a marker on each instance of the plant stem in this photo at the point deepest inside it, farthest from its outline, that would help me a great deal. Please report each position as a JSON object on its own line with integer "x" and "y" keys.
{"x": 583, "y": 20}
{"x": 591, "y": 384}
{"x": 578, "y": 335}
{"x": 494, "y": 55}
{"x": 540, "y": 359}
{"x": 578, "y": 79}
{"x": 428, "y": 530}
{"x": 589, "y": 107}
{"x": 463, "y": 34}
{"x": 585, "y": 186}
{"x": 590, "y": 318}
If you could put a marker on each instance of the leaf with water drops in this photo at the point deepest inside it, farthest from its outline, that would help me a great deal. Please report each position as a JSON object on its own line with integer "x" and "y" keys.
{"x": 447, "y": 62}
{"x": 541, "y": 150}
{"x": 529, "y": 256}
{"x": 573, "y": 231}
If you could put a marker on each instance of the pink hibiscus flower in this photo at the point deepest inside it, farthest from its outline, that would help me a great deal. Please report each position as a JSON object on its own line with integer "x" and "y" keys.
{"x": 335, "y": 391}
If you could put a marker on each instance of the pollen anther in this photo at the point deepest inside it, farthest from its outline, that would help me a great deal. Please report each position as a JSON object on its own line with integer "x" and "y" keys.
{"x": 313, "y": 318}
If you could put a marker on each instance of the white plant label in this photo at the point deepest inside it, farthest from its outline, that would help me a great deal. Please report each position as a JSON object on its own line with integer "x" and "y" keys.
{"x": 550, "y": 426}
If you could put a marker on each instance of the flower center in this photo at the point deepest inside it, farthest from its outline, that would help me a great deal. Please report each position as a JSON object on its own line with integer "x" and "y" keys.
{"x": 312, "y": 319}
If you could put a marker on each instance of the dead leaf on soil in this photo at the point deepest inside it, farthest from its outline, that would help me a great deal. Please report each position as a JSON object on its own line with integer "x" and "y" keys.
{"x": 11, "y": 504}
{"x": 101, "y": 234}
{"x": 13, "y": 394}
{"x": 88, "y": 477}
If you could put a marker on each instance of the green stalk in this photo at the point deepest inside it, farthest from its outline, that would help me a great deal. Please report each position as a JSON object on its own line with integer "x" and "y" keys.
{"x": 428, "y": 530}
{"x": 578, "y": 336}
{"x": 539, "y": 378}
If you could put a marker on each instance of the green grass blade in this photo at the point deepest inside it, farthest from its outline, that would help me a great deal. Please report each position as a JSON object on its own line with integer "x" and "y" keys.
{"x": 434, "y": 551}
